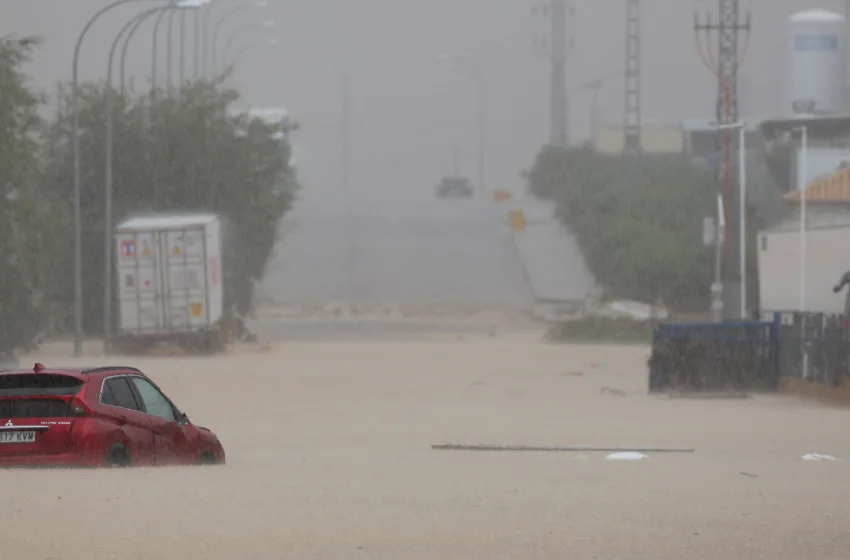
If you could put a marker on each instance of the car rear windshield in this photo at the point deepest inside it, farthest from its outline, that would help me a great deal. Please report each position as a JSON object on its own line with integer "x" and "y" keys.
{"x": 38, "y": 385}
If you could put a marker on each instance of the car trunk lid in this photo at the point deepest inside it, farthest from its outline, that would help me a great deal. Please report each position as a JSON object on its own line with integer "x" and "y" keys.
{"x": 36, "y": 412}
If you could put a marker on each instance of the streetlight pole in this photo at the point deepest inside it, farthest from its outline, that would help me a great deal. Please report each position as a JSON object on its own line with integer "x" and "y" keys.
{"x": 107, "y": 216}
{"x": 196, "y": 63}
{"x": 75, "y": 140}
{"x": 802, "y": 184}
{"x": 155, "y": 42}
{"x": 213, "y": 51}
{"x": 346, "y": 130}
{"x": 742, "y": 207}
{"x": 169, "y": 58}
{"x": 205, "y": 41}
{"x": 742, "y": 234}
{"x": 717, "y": 285}
{"x": 134, "y": 25}
{"x": 155, "y": 48}
{"x": 482, "y": 114}
{"x": 128, "y": 28}
{"x": 233, "y": 36}
{"x": 182, "y": 62}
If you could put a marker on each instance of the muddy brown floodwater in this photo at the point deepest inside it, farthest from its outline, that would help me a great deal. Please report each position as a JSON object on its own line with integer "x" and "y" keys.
{"x": 329, "y": 457}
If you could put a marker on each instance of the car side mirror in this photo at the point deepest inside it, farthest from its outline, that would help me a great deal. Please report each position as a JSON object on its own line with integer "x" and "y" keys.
{"x": 182, "y": 418}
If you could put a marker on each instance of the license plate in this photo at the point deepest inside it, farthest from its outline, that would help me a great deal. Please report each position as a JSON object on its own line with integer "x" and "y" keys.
{"x": 18, "y": 437}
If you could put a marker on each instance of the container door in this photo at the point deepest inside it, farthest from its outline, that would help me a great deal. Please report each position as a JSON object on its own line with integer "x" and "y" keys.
{"x": 139, "y": 283}
{"x": 186, "y": 279}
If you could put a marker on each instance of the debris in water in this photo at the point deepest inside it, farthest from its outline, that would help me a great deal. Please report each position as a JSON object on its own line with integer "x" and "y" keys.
{"x": 818, "y": 457}
{"x": 626, "y": 456}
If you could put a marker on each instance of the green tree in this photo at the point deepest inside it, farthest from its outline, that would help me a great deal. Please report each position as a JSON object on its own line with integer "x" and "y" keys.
{"x": 176, "y": 151}
{"x": 637, "y": 222}
{"x": 25, "y": 226}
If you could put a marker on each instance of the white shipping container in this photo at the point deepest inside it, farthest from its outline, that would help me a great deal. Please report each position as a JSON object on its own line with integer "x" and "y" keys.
{"x": 827, "y": 259}
{"x": 168, "y": 269}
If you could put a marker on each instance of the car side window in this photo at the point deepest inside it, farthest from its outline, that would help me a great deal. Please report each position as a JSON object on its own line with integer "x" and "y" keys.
{"x": 117, "y": 392}
{"x": 107, "y": 397}
{"x": 155, "y": 402}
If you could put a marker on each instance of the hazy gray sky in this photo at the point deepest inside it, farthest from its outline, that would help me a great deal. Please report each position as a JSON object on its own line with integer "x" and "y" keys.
{"x": 408, "y": 109}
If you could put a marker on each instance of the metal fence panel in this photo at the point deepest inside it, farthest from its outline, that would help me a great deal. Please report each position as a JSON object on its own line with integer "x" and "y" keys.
{"x": 740, "y": 355}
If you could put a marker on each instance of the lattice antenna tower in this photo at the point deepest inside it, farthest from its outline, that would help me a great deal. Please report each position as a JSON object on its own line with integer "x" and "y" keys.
{"x": 730, "y": 55}
{"x": 556, "y": 47}
{"x": 632, "y": 115}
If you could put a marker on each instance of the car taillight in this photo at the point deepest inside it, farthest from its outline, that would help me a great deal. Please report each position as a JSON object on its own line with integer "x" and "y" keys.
{"x": 79, "y": 408}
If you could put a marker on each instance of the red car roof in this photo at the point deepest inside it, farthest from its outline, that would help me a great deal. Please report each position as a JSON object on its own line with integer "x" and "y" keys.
{"x": 39, "y": 369}
{"x": 74, "y": 371}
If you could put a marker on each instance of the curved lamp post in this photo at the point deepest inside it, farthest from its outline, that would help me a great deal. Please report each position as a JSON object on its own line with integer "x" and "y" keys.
{"x": 156, "y": 48}
{"x": 482, "y": 111}
{"x": 130, "y": 29}
{"x": 155, "y": 42}
{"x": 169, "y": 58}
{"x": 235, "y": 35}
{"x": 75, "y": 140}
{"x": 213, "y": 49}
{"x": 182, "y": 61}
{"x": 130, "y": 26}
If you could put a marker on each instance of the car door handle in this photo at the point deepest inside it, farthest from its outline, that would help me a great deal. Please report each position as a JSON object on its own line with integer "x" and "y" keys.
{"x": 121, "y": 421}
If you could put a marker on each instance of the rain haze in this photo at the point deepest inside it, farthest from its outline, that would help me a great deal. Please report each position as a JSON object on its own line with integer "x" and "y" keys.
{"x": 402, "y": 345}
{"x": 409, "y": 110}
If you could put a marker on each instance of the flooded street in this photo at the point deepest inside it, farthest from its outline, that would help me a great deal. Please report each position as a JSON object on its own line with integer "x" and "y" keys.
{"x": 328, "y": 448}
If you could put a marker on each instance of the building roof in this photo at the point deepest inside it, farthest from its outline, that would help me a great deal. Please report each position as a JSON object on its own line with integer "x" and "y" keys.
{"x": 153, "y": 222}
{"x": 816, "y": 15}
{"x": 817, "y": 126}
{"x": 834, "y": 188}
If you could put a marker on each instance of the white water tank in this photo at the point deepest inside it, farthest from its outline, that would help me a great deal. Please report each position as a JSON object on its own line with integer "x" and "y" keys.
{"x": 816, "y": 62}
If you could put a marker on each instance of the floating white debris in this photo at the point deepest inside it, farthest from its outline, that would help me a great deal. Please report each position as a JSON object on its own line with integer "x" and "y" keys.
{"x": 626, "y": 456}
{"x": 818, "y": 457}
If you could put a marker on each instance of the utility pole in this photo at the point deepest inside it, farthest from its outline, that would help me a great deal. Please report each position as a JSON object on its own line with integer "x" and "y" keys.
{"x": 725, "y": 68}
{"x": 558, "y": 112}
{"x": 346, "y": 129}
{"x": 555, "y": 48}
{"x": 632, "y": 117}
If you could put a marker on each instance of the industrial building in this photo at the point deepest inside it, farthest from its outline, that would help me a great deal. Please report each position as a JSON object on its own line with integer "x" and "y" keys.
{"x": 802, "y": 257}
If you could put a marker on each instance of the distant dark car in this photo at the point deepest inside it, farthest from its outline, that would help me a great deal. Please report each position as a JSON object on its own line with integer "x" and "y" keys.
{"x": 458, "y": 187}
{"x": 96, "y": 417}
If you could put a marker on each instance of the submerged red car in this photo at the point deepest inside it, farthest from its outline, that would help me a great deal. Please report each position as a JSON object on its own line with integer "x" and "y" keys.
{"x": 93, "y": 417}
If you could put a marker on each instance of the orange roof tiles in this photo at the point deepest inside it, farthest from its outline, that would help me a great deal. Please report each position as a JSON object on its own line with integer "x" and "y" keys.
{"x": 832, "y": 188}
